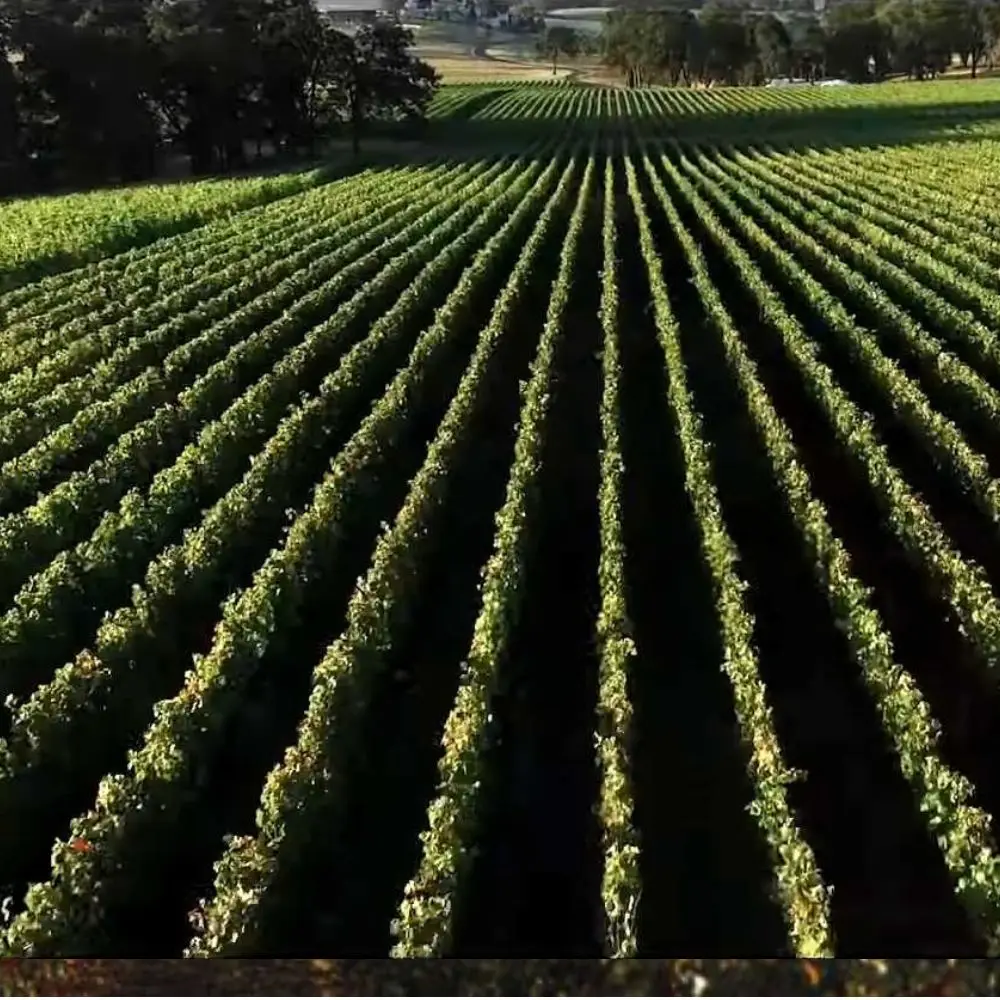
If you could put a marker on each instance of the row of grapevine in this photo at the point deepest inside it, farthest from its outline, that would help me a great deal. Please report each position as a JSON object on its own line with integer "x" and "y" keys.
{"x": 937, "y": 363}
{"x": 964, "y": 183}
{"x": 133, "y": 345}
{"x": 939, "y": 366}
{"x": 958, "y": 323}
{"x": 953, "y": 285}
{"x": 935, "y": 214}
{"x": 804, "y": 896}
{"x": 620, "y": 882}
{"x": 100, "y": 686}
{"x": 526, "y": 106}
{"x": 668, "y": 104}
{"x": 63, "y": 340}
{"x": 116, "y": 287}
{"x": 43, "y": 234}
{"x": 163, "y": 774}
{"x": 891, "y": 219}
{"x": 961, "y": 327}
{"x": 426, "y": 924}
{"x": 937, "y": 433}
{"x": 142, "y": 337}
{"x": 963, "y": 583}
{"x": 458, "y": 99}
{"x": 307, "y": 787}
{"x": 29, "y": 538}
{"x": 125, "y": 540}
{"x": 945, "y": 796}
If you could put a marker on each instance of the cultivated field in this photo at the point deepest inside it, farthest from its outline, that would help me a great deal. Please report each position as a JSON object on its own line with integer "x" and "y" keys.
{"x": 40, "y": 235}
{"x": 591, "y": 547}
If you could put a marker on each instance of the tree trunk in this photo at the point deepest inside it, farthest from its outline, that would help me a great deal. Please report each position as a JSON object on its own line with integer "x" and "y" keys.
{"x": 235, "y": 154}
{"x": 202, "y": 155}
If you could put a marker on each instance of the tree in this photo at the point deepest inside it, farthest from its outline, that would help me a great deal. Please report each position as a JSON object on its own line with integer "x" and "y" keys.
{"x": 91, "y": 90}
{"x": 978, "y": 31}
{"x": 647, "y": 46}
{"x": 727, "y": 45}
{"x": 84, "y": 84}
{"x": 9, "y": 111}
{"x": 774, "y": 47}
{"x": 373, "y": 75}
{"x": 559, "y": 40}
{"x": 292, "y": 70}
{"x": 905, "y": 25}
{"x": 670, "y": 41}
{"x": 855, "y": 40}
{"x": 944, "y": 23}
{"x": 809, "y": 49}
{"x": 622, "y": 43}
{"x": 209, "y": 72}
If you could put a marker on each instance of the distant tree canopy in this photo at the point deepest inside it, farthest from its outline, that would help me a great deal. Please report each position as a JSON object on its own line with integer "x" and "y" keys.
{"x": 729, "y": 42}
{"x": 559, "y": 40}
{"x": 93, "y": 90}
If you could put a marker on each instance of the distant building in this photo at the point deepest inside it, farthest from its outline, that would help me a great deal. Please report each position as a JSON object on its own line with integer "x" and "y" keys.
{"x": 355, "y": 10}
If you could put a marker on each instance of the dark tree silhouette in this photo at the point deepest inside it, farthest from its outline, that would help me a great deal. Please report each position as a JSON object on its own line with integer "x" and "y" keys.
{"x": 93, "y": 91}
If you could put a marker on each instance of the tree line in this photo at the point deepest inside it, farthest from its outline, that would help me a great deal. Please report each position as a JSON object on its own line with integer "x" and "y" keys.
{"x": 96, "y": 91}
{"x": 729, "y": 42}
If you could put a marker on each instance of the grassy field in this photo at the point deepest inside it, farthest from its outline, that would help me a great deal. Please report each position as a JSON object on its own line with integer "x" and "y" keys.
{"x": 468, "y": 54}
{"x": 576, "y": 537}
